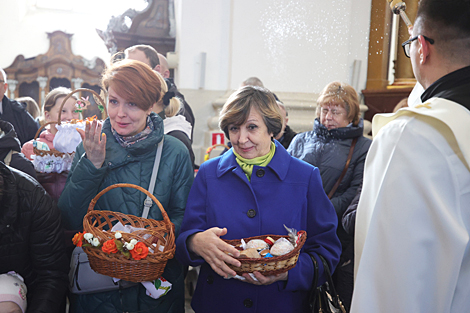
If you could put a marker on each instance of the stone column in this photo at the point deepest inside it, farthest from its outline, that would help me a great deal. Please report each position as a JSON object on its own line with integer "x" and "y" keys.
{"x": 11, "y": 88}
{"x": 42, "y": 87}
{"x": 77, "y": 83}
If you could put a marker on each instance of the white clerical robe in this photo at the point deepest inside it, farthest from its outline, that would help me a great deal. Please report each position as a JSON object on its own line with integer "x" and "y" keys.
{"x": 413, "y": 218}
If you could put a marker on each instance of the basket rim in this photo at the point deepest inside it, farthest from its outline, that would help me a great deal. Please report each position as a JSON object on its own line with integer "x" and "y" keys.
{"x": 296, "y": 249}
{"x": 119, "y": 185}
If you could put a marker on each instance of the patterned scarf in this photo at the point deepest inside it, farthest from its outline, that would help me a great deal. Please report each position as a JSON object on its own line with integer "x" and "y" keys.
{"x": 126, "y": 141}
{"x": 247, "y": 164}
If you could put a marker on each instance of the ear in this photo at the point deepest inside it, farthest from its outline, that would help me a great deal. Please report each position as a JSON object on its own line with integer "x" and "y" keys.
{"x": 287, "y": 119}
{"x": 157, "y": 68}
{"x": 46, "y": 114}
{"x": 423, "y": 50}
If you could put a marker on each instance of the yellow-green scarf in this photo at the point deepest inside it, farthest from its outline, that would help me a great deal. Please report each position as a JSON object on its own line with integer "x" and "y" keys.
{"x": 247, "y": 164}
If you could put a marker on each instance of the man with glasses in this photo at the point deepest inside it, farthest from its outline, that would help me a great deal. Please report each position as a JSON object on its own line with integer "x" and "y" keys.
{"x": 413, "y": 219}
{"x": 15, "y": 113}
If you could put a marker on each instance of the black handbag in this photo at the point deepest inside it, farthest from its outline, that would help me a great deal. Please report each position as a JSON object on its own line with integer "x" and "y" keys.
{"x": 324, "y": 299}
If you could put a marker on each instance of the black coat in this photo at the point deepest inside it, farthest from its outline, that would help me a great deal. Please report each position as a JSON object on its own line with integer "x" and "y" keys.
{"x": 287, "y": 137}
{"x": 31, "y": 241}
{"x": 24, "y": 124}
{"x": 9, "y": 142}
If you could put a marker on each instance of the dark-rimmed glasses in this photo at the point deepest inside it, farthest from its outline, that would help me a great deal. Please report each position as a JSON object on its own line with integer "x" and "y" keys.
{"x": 406, "y": 44}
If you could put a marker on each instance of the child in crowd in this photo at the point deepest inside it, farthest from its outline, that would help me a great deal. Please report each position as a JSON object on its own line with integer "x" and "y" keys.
{"x": 50, "y": 113}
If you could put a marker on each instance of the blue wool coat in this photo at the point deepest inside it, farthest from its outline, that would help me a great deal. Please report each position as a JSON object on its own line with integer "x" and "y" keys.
{"x": 287, "y": 191}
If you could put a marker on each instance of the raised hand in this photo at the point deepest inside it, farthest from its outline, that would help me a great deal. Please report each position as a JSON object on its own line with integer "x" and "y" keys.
{"x": 94, "y": 142}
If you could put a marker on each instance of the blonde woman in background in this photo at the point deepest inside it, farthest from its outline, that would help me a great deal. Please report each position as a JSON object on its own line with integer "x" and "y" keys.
{"x": 31, "y": 106}
{"x": 327, "y": 146}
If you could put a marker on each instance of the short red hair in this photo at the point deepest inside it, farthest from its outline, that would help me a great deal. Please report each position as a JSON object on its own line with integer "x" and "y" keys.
{"x": 134, "y": 81}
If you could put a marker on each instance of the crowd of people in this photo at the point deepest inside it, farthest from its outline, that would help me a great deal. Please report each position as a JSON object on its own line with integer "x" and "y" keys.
{"x": 390, "y": 216}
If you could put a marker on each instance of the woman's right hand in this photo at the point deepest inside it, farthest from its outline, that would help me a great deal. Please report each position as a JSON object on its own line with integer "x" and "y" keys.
{"x": 94, "y": 143}
{"x": 213, "y": 250}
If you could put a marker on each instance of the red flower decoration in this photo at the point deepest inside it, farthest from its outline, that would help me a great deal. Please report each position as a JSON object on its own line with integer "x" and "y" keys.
{"x": 109, "y": 246}
{"x": 78, "y": 239}
{"x": 140, "y": 251}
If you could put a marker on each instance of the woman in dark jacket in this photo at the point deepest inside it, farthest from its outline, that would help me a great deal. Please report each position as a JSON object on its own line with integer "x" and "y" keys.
{"x": 31, "y": 242}
{"x": 10, "y": 150}
{"x": 327, "y": 147}
{"x": 123, "y": 150}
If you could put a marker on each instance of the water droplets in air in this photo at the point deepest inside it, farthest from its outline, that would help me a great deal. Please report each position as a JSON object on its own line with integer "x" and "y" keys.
{"x": 287, "y": 25}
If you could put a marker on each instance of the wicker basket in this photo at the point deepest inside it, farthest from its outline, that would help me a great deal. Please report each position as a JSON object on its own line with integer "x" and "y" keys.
{"x": 54, "y": 152}
{"x": 268, "y": 266}
{"x": 116, "y": 264}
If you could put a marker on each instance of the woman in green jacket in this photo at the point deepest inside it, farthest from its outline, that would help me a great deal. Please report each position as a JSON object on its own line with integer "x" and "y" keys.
{"x": 122, "y": 150}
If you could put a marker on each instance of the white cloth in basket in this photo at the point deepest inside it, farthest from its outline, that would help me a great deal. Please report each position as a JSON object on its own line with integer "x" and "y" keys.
{"x": 67, "y": 138}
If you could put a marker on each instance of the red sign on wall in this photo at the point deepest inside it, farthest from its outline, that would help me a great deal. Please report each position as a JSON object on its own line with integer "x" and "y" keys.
{"x": 218, "y": 138}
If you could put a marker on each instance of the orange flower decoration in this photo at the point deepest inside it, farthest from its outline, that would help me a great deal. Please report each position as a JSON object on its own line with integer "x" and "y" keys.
{"x": 109, "y": 246}
{"x": 78, "y": 239}
{"x": 140, "y": 251}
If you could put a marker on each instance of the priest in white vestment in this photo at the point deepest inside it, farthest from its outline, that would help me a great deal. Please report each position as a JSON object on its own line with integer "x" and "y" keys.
{"x": 413, "y": 218}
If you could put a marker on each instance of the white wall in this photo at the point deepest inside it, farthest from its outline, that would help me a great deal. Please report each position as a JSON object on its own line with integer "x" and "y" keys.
{"x": 292, "y": 46}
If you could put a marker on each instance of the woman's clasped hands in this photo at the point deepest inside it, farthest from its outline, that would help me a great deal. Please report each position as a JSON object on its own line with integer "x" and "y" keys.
{"x": 94, "y": 142}
{"x": 217, "y": 254}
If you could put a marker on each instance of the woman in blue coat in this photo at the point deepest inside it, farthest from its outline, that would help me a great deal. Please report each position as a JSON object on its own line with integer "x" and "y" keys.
{"x": 254, "y": 189}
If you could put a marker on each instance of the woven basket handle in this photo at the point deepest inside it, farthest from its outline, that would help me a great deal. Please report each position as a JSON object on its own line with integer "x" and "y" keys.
{"x": 220, "y": 145}
{"x": 209, "y": 150}
{"x": 102, "y": 192}
{"x": 95, "y": 95}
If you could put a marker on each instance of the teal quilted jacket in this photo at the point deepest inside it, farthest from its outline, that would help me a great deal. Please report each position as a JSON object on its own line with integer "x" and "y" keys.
{"x": 132, "y": 165}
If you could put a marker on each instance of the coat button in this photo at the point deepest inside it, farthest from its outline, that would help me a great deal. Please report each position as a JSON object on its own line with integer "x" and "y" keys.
{"x": 260, "y": 172}
{"x": 248, "y": 303}
{"x": 251, "y": 213}
{"x": 210, "y": 279}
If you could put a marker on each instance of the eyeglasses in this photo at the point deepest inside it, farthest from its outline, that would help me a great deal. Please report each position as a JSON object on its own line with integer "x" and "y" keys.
{"x": 406, "y": 44}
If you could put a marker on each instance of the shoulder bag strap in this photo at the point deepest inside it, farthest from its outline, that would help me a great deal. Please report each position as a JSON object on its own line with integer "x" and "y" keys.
{"x": 148, "y": 202}
{"x": 335, "y": 297}
{"x": 351, "y": 150}
{"x": 314, "y": 290}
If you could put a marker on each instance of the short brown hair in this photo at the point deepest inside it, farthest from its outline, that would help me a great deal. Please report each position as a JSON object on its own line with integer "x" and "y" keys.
{"x": 342, "y": 94}
{"x": 134, "y": 81}
{"x": 237, "y": 108}
{"x": 149, "y": 51}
